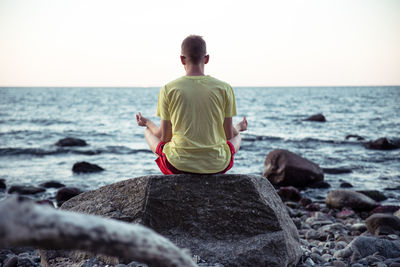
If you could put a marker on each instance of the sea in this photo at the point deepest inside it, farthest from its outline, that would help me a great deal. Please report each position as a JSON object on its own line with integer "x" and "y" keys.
{"x": 33, "y": 119}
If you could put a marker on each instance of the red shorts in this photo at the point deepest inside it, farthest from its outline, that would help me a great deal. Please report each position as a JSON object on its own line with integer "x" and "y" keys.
{"x": 167, "y": 168}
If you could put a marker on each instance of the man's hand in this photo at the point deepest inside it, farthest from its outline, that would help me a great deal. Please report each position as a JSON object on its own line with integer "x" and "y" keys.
{"x": 141, "y": 121}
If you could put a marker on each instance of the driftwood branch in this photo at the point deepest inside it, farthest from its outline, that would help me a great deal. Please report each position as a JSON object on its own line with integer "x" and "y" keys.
{"x": 24, "y": 223}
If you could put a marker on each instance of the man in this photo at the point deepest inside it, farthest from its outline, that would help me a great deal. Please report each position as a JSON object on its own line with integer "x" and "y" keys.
{"x": 196, "y": 133}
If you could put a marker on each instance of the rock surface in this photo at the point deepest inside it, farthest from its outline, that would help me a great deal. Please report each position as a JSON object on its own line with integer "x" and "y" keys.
{"x": 52, "y": 184}
{"x": 69, "y": 141}
{"x": 383, "y": 224}
{"x": 2, "y": 184}
{"x": 66, "y": 193}
{"x": 25, "y": 190}
{"x": 347, "y": 198}
{"x": 374, "y": 194}
{"x": 284, "y": 168}
{"x": 86, "y": 167}
{"x": 235, "y": 220}
{"x": 381, "y": 144}
{"x": 316, "y": 117}
{"x": 336, "y": 170}
{"x": 364, "y": 246}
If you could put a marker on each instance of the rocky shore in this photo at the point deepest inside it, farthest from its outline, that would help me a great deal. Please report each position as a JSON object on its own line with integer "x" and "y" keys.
{"x": 346, "y": 228}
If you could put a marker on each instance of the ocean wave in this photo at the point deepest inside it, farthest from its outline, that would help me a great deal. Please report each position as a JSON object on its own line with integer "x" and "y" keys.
{"x": 255, "y": 138}
{"x": 40, "y": 152}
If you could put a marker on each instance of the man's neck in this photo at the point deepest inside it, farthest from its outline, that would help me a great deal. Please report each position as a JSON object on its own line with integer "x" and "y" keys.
{"x": 194, "y": 70}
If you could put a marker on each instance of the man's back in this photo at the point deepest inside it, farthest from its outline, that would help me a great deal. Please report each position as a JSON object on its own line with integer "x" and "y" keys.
{"x": 197, "y": 107}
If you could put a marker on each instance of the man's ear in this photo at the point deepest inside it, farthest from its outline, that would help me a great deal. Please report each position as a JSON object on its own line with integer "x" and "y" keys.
{"x": 183, "y": 60}
{"x": 206, "y": 59}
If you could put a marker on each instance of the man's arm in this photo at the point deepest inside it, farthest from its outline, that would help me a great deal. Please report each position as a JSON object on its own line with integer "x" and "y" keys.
{"x": 164, "y": 132}
{"x": 230, "y": 130}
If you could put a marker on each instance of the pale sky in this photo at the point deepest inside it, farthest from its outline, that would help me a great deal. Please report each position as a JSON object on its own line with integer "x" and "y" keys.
{"x": 251, "y": 43}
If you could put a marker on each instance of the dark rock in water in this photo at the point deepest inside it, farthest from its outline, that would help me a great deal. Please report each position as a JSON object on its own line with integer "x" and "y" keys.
{"x": 320, "y": 184}
{"x": 336, "y": 170}
{"x": 66, "y": 193}
{"x": 354, "y": 136}
{"x": 69, "y": 141}
{"x": 86, "y": 167}
{"x": 386, "y": 209}
{"x": 392, "y": 188}
{"x": 284, "y": 168}
{"x": 45, "y": 202}
{"x": 381, "y": 144}
{"x": 289, "y": 193}
{"x": 235, "y": 220}
{"x": 52, "y": 184}
{"x": 2, "y": 184}
{"x": 25, "y": 189}
{"x": 364, "y": 246}
{"x": 316, "y": 117}
{"x": 346, "y": 185}
{"x": 347, "y": 198}
{"x": 374, "y": 194}
{"x": 383, "y": 224}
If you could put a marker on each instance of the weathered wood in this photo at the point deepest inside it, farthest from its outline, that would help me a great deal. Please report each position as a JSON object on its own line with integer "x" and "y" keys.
{"x": 24, "y": 223}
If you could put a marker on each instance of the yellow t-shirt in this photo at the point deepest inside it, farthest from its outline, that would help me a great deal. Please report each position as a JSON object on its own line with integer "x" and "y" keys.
{"x": 197, "y": 107}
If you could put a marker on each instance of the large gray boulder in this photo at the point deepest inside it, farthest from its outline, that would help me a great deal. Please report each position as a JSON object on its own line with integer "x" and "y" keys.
{"x": 284, "y": 168}
{"x": 235, "y": 220}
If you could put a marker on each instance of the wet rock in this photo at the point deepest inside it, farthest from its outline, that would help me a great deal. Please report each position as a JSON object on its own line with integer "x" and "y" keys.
{"x": 284, "y": 168}
{"x": 397, "y": 214}
{"x": 320, "y": 184}
{"x": 354, "y": 136}
{"x": 2, "y": 184}
{"x": 45, "y": 202}
{"x": 346, "y": 185}
{"x": 209, "y": 214}
{"x": 25, "y": 189}
{"x": 374, "y": 194}
{"x": 12, "y": 261}
{"x": 360, "y": 227}
{"x": 381, "y": 144}
{"x": 383, "y": 224}
{"x": 313, "y": 207}
{"x": 86, "y": 167}
{"x": 336, "y": 170}
{"x": 305, "y": 201}
{"x": 289, "y": 193}
{"x": 66, "y": 193}
{"x": 338, "y": 263}
{"x": 52, "y": 184}
{"x": 386, "y": 209}
{"x": 363, "y": 246}
{"x": 316, "y": 117}
{"x": 344, "y": 214}
{"x": 69, "y": 141}
{"x": 347, "y": 198}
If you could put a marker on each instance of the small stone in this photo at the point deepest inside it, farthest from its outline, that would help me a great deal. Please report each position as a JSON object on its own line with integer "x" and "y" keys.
{"x": 345, "y": 214}
{"x": 305, "y": 201}
{"x": 69, "y": 141}
{"x": 25, "y": 190}
{"x": 386, "y": 209}
{"x": 52, "y": 184}
{"x": 2, "y": 184}
{"x": 66, "y": 193}
{"x": 11, "y": 262}
{"x": 316, "y": 258}
{"x": 120, "y": 265}
{"x": 316, "y": 117}
{"x": 327, "y": 257}
{"x": 340, "y": 245}
{"x": 361, "y": 227}
{"x": 338, "y": 263}
{"x": 315, "y": 250}
{"x": 86, "y": 167}
{"x": 357, "y": 265}
{"x": 289, "y": 193}
{"x": 136, "y": 264}
{"x": 381, "y": 144}
{"x": 313, "y": 207}
{"x": 346, "y": 185}
{"x": 374, "y": 194}
{"x": 383, "y": 224}
{"x": 309, "y": 262}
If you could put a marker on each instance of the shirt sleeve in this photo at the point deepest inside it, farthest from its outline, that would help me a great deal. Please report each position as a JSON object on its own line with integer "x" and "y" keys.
{"x": 162, "y": 106}
{"x": 230, "y": 104}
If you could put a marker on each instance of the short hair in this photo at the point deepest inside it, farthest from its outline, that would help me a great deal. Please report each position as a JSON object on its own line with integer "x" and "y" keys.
{"x": 194, "y": 48}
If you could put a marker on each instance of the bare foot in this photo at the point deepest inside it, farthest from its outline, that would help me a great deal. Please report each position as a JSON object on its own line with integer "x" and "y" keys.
{"x": 242, "y": 125}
